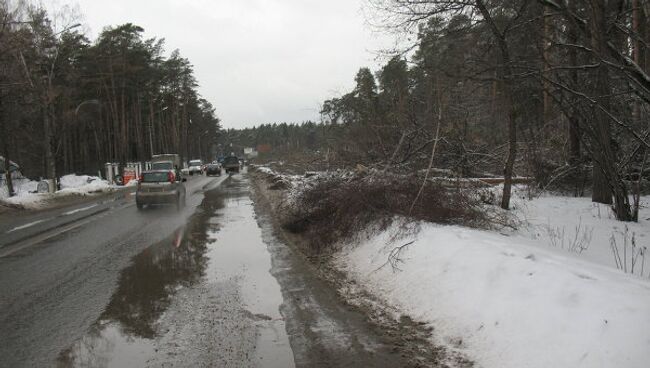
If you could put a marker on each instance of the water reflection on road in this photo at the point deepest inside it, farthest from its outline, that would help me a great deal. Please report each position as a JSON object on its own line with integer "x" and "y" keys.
{"x": 201, "y": 297}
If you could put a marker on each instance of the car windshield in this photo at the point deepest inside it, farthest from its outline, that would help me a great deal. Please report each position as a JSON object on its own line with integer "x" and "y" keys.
{"x": 162, "y": 166}
{"x": 195, "y": 163}
{"x": 155, "y": 177}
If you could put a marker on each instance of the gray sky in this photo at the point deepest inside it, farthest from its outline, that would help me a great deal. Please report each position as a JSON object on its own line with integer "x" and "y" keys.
{"x": 257, "y": 61}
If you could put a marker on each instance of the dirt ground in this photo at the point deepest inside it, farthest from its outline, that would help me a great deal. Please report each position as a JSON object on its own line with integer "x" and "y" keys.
{"x": 410, "y": 338}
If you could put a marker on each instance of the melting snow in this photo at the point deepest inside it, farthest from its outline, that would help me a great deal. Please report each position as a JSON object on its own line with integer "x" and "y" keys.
{"x": 27, "y": 197}
{"x": 519, "y": 300}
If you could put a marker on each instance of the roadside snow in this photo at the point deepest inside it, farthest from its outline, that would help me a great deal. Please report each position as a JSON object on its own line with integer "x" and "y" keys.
{"x": 265, "y": 170}
{"x": 571, "y": 224}
{"x": 520, "y": 299}
{"x": 22, "y": 186}
{"x": 83, "y": 184}
{"x": 549, "y": 294}
{"x": 26, "y": 196}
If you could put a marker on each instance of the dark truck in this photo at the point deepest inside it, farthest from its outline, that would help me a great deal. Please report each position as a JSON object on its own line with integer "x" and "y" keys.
{"x": 230, "y": 164}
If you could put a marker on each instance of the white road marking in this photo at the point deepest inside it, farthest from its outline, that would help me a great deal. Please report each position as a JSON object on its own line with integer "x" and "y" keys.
{"x": 79, "y": 209}
{"x": 25, "y": 226}
{"x": 50, "y": 234}
{"x": 40, "y": 238}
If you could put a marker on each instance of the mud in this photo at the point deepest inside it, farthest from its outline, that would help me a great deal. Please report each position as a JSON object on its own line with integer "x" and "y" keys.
{"x": 408, "y": 339}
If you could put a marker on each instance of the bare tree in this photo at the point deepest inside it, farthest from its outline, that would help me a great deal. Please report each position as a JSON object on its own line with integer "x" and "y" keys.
{"x": 409, "y": 14}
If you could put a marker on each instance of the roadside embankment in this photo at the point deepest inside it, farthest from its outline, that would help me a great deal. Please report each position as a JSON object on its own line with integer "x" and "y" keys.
{"x": 559, "y": 283}
{"x": 410, "y": 338}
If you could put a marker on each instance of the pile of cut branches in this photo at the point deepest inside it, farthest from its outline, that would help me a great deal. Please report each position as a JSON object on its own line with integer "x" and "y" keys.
{"x": 338, "y": 207}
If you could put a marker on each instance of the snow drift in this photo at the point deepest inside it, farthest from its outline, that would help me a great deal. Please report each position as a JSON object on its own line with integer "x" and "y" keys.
{"x": 26, "y": 196}
{"x": 514, "y": 300}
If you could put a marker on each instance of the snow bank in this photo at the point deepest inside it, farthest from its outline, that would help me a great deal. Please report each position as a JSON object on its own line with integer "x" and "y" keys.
{"x": 83, "y": 184}
{"x": 547, "y": 295}
{"x": 22, "y": 187}
{"x": 26, "y": 196}
{"x": 562, "y": 222}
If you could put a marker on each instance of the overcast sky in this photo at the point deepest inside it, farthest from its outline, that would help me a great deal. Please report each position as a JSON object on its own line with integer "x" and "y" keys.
{"x": 257, "y": 61}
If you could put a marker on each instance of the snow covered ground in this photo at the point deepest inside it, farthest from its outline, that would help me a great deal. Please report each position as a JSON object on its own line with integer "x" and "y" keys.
{"x": 587, "y": 230}
{"x": 569, "y": 288}
{"x": 27, "y": 197}
{"x": 547, "y": 295}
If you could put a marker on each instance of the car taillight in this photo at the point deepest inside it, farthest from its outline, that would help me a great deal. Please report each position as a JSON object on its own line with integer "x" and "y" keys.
{"x": 171, "y": 177}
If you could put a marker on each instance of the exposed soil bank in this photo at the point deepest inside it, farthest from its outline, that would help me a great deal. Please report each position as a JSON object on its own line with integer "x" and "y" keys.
{"x": 405, "y": 337}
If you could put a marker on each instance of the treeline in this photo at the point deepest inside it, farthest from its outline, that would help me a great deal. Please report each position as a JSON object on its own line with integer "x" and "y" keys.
{"x": 557, "y": 90}
{"x": 277, "y": 137}
{"x": 69, "y": 104}
{"x": 554, "y": 90}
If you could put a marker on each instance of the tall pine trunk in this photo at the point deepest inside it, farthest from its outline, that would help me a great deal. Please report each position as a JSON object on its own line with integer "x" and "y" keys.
{"x": 504, "y": 73}
{"x": 4, "y": 137}
{"x": 607, "y": 182}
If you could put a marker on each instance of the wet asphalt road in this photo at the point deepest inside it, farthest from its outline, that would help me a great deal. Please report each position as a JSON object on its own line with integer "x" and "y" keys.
{"x": 211, "y": 286}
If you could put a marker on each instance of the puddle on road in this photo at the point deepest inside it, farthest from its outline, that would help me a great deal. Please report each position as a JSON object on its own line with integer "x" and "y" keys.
{"x": 241, "y": 254}
{"x": 221, "y": 245}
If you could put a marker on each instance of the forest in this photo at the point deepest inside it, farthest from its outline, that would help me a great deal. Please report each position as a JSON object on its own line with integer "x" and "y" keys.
{"x": 554, "y": 91}
{"x": 69, "y": 104}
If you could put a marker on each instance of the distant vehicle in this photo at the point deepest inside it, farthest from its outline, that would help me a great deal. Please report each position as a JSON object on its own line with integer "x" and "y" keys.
{"x": 195, "y": 167}
{"x": 213, "y": 169}
{"x": 231, "y": 164}
{"x": 166, "y": 161}
{"x": 160, "y": 187}
{"x": 164, "y": 165}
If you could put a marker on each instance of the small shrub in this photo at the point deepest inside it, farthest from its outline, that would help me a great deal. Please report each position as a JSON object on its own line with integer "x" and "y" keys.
{"x": 628, "y": 256}
{"x": 577, "y": 242}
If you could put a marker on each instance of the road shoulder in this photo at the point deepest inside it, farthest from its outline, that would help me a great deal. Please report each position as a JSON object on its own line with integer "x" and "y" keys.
{"x": 408, "y": 338}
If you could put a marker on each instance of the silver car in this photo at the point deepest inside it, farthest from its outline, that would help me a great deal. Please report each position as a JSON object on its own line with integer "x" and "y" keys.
{"x": 195, "y": 167}
{"x": 160, "y": 187}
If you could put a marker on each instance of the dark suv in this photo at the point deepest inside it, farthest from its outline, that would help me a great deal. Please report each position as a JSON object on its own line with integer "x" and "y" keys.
{"x": 213, "y": 169}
